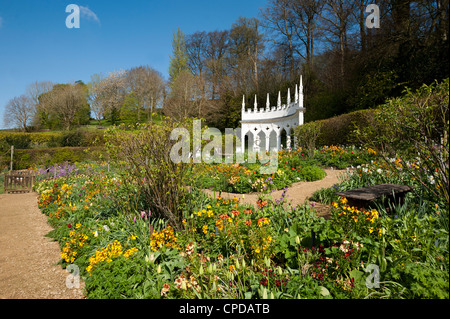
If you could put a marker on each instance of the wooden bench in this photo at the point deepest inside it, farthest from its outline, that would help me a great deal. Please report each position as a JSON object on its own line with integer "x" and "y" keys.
{"x": 362, "y": 197}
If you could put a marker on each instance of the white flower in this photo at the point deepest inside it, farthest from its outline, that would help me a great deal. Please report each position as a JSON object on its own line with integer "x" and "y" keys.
{"x": 379, "y": 171}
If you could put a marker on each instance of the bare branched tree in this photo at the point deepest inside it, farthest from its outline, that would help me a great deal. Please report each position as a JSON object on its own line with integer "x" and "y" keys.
{"x": 278, "y": 18}
{"x": 18, "y": 112}
{"x": 186, "y": 98}
{"x": 107, "y": 93}
{"x": 98, "y": 108}
{"x": 33, "y": 91}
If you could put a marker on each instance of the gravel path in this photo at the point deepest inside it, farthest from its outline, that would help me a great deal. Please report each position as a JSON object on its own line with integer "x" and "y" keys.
{"x": 28, "y": 268}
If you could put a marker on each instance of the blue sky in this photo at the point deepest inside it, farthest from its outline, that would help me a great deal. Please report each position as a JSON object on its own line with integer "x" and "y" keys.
{"x": 36, "y": 45}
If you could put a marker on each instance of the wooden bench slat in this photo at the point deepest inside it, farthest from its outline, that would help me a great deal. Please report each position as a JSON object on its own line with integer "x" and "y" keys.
{"x": 374, "y": 192}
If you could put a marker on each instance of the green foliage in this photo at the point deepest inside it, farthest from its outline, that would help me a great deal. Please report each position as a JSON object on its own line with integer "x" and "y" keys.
{"x": 423, "y": 282}
{"x": 322, "y": 105}
{"x": 130, "y": 109}
{"x": 374, "y": 90}
{"x": 312, "y": 173}
{"x": 117, "y": 279}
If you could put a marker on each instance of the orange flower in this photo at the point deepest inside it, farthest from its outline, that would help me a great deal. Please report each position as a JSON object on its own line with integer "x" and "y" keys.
{"x": 262, "y": 203}
{"x": 235, "y": 212}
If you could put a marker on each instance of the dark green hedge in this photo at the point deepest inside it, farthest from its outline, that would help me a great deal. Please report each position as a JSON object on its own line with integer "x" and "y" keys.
{"x": 27, "y": 158}
{"x": 339, "y": 130}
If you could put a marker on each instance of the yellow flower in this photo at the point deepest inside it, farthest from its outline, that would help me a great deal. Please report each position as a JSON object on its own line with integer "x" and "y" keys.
{"x": 374, "y": 213}
{"x": 77, "y": 226}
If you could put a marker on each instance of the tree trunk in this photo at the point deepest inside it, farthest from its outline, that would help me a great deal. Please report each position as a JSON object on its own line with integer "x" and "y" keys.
{"x": 362, "y": 28}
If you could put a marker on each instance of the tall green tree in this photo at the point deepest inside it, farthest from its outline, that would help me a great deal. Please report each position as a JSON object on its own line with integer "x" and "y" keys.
{"x": 179, "y": 58}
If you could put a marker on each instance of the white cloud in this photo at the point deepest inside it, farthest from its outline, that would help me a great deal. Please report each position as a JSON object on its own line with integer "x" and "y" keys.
{"x": 89, "y": 14}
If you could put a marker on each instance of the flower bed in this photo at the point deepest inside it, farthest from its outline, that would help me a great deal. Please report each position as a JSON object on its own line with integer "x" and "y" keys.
{"x": 229, "y": 250}
{"x": 293, "y": 167}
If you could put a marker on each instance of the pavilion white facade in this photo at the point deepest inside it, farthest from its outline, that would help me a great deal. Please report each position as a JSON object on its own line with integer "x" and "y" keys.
{"x": 263, "y": 128}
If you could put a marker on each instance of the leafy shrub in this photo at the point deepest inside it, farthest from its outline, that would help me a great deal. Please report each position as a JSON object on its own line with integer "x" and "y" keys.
{"x": 116, "y": 279}
{"x": 312, "y": 173}
{"x": 148, "y": 152}
{"x": 307, "y": 135}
